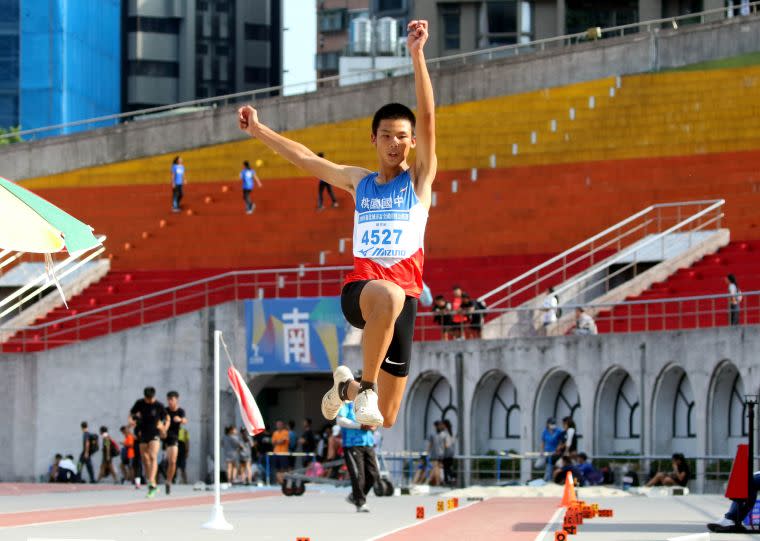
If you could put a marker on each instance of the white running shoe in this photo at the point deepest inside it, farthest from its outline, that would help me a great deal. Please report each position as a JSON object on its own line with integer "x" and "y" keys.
{"x": 331, "y": 402}
{"x": 366, "y": 410}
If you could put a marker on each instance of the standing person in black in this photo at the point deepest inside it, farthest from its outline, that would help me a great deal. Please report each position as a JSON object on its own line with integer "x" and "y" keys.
{"x": 322, "y": 187}
{"x": 171, "y": 443}
{"x": 308, "y": 442}
{"x": 89, "y": 447}
{"x": 152, "y": 421}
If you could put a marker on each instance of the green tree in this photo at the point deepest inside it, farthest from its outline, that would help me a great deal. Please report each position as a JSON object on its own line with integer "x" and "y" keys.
{"x": 14, "y": 138}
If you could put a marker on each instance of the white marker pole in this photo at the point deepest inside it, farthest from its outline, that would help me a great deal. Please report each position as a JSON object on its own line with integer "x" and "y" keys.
{"x": 217, "y": 522}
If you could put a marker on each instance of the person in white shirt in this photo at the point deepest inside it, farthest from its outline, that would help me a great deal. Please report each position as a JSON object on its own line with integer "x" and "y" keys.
{"x": 551, "y": 302}
{"x": 584, "y": 323}
{"x": 734, "y": 300}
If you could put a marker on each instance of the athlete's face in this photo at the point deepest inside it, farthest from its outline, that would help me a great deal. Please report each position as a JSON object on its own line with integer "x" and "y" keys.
{"x": 173, "y": 402}
{"x": 393, "y": 141}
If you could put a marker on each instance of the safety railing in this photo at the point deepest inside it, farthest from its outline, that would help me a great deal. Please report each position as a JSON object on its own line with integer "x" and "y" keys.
{"x": 670, "y": 314}
{"x": 234, "y": 285}
{"x": 709, "y": 473}
{"x": 626, "y": 239}
{"x": 473, "y": 57}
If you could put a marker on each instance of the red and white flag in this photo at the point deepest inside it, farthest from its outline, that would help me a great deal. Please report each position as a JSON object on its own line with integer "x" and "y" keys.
{"x": 249, "y": 411}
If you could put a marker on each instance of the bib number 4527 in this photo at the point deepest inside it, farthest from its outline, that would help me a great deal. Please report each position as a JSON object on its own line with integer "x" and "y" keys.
{"x": 381, "y": 236}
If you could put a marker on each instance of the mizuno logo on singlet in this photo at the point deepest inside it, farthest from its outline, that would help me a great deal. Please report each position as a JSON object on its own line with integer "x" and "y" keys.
{"x": 365, "y": 252}
{"x": 383, "y": 252}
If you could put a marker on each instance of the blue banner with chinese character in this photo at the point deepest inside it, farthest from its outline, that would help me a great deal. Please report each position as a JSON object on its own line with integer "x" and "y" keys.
{"x": 294, "y": 335}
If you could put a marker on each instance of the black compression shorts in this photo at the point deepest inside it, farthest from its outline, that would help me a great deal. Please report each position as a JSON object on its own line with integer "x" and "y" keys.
{"x": 399, "y": 353}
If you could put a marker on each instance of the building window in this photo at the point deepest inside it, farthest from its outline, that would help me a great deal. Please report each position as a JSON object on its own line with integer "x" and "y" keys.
{"x": 332, "y": 21}
{"x": 389, "y": 5}
{"x": 201, "y": 48}
{"x": 153, "y": 68}
{"x": 450, "y": 15}
{"x": 502, "y": 22}
{"x": 257, "y": 32}
{"x": 158, "y": 25}
{"x": 328, "y": 61}
{"x": 256, "y": 75}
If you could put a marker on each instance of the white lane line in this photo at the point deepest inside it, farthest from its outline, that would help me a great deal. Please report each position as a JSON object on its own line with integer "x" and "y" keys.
{"x": 423, "y": 521}
{"x": 551, "y": 525}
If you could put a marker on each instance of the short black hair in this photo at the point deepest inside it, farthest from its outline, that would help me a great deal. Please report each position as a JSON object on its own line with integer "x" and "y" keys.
{"x": 122, "y": 428}
{"x": 392, "y": 111}
{"x": 455, "y": 286}
{"x": 175, "y": 161}
{"x": 58, "y": 456}
{"x": 172, "y": 394}
{"x": 292, "y": 424}
{"x": 83, "y": 424}
{"x": 307, "y": 421}
{"x": 149, "y": 392}
{"x": 103, "y": 429}
{"x": 321, "y": 154}
{"x": 246, "y": 164}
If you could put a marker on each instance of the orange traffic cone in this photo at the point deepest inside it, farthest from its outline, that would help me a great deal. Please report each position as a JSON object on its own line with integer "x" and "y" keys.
{"x": 569, "y": 495}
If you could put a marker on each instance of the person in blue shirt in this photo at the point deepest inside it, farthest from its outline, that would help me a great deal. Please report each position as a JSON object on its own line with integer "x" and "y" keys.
{"x": 178, "y": 182}
{"x": 247, "y": 177}
{"x": 550, "y": 440}
{"x": 359, "y": 454}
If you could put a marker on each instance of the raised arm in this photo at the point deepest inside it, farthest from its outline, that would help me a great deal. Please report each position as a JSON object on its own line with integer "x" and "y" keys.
{"x": 341, "y": 176}
{"x": 426, "y": 163}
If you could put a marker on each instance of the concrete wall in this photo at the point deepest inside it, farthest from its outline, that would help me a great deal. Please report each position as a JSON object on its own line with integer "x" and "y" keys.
{"x": 47, "y": 394}
{"x": 588, "y": 371}
{"x": 618, "y": 56}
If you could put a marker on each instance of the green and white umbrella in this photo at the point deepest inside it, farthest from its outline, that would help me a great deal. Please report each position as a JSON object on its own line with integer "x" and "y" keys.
{"x": 28, "y": 223}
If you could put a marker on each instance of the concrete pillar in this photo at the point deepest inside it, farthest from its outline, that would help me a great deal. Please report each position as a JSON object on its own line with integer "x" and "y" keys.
{"x": 650, "y": 9}
{"x": 561, "y": 16}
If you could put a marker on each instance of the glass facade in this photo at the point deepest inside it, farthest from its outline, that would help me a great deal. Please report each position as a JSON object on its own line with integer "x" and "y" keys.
{"x": 9, "y": 63}
{"x": 70, "y": 62}
{"x": 215, "y": 47}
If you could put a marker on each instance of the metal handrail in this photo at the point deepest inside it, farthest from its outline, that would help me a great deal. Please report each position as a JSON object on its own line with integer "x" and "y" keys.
{"x": 582, "y": 245}
{"x": 490, "y": 52}
{"x": 189, "y": 285}
{"x": 653, "y": 239}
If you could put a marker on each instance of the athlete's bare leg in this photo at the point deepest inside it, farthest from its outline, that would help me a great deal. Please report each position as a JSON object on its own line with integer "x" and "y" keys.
{"x": 171, "y": 463}
{"x": 149, "y": 452}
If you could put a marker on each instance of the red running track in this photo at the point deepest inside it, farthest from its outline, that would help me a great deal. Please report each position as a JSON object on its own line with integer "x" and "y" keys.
{"x": 45, "y": 516}
{"x": 516, "y": 519}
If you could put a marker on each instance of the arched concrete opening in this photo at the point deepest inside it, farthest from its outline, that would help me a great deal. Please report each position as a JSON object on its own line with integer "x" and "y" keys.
{"x": 495, "y": 418}
{"x": 618, "y": 414}
{"x": 727, "y": 425}
{"x": 557, "y": 397}
{"x": 674, "y": 426}
{"x": 431, "y": 398}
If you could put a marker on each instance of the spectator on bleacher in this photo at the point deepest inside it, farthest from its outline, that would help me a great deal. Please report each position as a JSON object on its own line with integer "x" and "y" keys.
{"x": 110, "y": 450}
{"x": 322, "y": 187}
{"x": 442, "y": 316}
{"x": 734, "y": 300}
{"x": 679, "y": 476}
{"x": 584, "y": 323}
{"x": 458, "y": 317}
{"x": 472, "y": 310}
{"x": 89, "y": 447}
{"x": 551, "y": 302}
{"x": 247, "y": 177}
{"x": 178, "y": 183}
